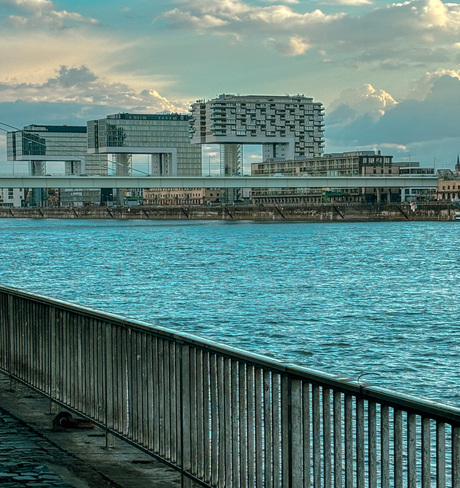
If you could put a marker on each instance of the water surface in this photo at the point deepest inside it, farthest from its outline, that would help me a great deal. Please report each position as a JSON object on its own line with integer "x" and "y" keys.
{"x": 347, "y": 298}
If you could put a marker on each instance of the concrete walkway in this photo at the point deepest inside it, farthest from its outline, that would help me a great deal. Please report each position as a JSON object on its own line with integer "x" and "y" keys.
{"x": 33, "y": 453}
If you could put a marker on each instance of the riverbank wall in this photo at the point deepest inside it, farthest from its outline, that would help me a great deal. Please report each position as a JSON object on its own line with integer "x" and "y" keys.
{"x": 314, "y": 213}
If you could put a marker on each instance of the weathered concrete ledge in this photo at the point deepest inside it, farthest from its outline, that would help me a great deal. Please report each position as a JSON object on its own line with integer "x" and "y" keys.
{"x": 314, "y": 213}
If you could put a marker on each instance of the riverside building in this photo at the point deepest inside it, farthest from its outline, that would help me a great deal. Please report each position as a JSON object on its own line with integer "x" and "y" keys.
{"x": 287, "y": 127}
{"x": 354, "y": 163}
{"x": 163, "y": 137}
{"x": 43, "y": 144}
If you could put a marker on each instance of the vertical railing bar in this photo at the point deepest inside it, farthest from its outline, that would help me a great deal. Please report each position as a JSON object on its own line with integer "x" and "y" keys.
{"x": 222, "y": 419}
{"x": 193, "y": 411}
{"x": 360, "y": 442}
{"x": 268, "y": 429}
{"x": 412, "y": 450}
{"x": 297, "y": 423}
{"x": 186, "y": 409}
{"x": 161, "y": 396}
{"x": 176, "y": 402}
{"x": 125, "y": 381}
{"x": 133, "y": 392}
{"x": 456, "y": 456}
{"x": 259, "y": 431}
{"x": 316, "y": 412}
{"x": 398, "y": 448}
{"x": 169, "y": 406}
{"x": 200, "y": 421}
{"x": 52, "y": 356}
{"x": 243, "y": 423}
{"x": 214, "y": 420}
{"x": 385, "y": 446}
{"x": 81, "y": 349}
{"x": 113, "y": 359}
{"x": 276, "y": 421}
{"x": 426, "y": 452}
{"x": 235, "y": 391}
{"x": 148, "y": 394}
{"x": 228, "y": 426}
{"x": 286, "y": 458}
{"x": 327, "y": 444}
{"x": 440, "y": 455}
{"x": 206, "y": 418}
{"x": 156, "y": 394}
{"x": 338, "y": 441}
{"x": 144, "y": 387}
{"x": 109, "y": 383}
{"x": 348, "y": 412}
{"x": 372, "y": 442}
{"x": 307, "y": 433}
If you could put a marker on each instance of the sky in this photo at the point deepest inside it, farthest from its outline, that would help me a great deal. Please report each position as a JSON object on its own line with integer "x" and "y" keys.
{"x": 388, "y": 74}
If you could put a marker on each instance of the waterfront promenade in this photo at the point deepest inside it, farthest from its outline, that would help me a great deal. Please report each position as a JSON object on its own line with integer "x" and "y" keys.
{"x": 337, "y": 212}
{"x": 35, "y": 454}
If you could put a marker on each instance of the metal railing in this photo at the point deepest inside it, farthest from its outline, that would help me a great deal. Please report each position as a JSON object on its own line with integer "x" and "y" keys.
{"x": 221, "y": 416}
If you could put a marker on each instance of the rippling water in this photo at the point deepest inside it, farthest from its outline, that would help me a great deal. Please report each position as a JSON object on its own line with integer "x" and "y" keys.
{"x": 347, "y": 298}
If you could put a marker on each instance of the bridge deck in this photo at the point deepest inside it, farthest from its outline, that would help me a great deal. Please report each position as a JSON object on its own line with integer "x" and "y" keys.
{"x": 218, "y": 182}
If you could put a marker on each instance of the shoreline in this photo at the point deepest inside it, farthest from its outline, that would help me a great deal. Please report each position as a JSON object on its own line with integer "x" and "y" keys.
{"x": 313, "y": 213}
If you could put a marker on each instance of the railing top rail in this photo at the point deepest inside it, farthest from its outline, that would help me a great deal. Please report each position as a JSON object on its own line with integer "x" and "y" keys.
{"x": 402, "y": 401}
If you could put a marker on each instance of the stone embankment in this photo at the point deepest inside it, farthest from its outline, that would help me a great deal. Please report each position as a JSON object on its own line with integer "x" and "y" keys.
{"x": 314, "y": 213}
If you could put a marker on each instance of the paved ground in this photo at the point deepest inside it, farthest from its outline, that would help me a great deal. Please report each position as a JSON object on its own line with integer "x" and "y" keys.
{"x": 33, "y": 453}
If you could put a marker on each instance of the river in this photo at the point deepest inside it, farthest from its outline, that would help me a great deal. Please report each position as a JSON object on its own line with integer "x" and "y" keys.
{"x": 379, "y": 299}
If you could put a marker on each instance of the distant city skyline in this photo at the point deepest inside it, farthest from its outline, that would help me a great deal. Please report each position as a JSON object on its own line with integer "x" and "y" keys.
{"x": 388, "y": 74}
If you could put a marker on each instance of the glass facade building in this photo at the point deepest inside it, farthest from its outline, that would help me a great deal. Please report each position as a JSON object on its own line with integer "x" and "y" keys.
{"x": 164, "y": 137}
{"x": 46, "y": 143}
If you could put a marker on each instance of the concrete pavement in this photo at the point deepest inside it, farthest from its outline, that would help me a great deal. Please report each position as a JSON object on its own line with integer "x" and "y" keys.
{"x": 33, "y": 453}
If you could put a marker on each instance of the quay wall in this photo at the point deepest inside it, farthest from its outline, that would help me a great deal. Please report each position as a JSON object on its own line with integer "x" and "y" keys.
{"x": 314, "y": 213}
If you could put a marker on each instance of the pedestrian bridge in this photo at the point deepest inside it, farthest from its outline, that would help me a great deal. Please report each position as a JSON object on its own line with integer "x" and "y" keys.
{"x": 221, "y": 416}
{"x": 422, "y": 182}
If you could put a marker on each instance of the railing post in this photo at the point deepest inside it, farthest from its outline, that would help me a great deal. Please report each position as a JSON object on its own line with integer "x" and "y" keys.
{"x": 109, "y": 398}
{"x": 11, "y": 340}
{"x": 456, "y": 456}
{"x": 52, "y": 360}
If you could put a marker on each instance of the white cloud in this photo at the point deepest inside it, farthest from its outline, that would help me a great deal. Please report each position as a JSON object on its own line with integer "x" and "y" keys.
{"x": 408, "y": 33}
{"x": 239, "y": 18}
{"x": 347, "y": 3}
{"x": 420, "y": 88}
{"x": 41, "y": 13}
{"x": 365, "y": 100}
{"x": 295, "y": 46}
{"x": 425, "y": 129}
{"x": 82, "y": 86}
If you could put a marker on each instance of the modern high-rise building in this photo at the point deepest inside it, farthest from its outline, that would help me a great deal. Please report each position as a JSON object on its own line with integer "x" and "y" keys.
{"x": 288, "y": 127}
{"x": 164, "y": 137}
{"x": 40, "y": 144}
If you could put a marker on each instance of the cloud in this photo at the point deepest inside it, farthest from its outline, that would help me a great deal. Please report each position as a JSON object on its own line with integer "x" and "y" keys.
{"x": 400, "y": 34}
{"x": 80, "y": 85}
{"x": 347, "y": 3}
{"x": 238, "y": 18}
{"x": 41, "y": 13}
{"x": 406, "y": 127}
{"x": 364, "y": 100}
{"x": 294, "y": 46}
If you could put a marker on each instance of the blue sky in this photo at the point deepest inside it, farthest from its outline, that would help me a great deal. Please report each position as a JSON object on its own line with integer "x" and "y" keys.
{"x": 388, "y": 74}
